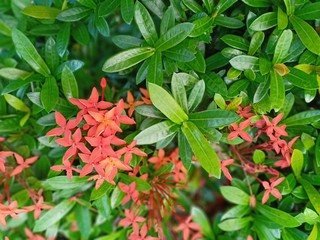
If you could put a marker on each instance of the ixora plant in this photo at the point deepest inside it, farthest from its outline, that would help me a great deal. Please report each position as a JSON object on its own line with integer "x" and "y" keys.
{"x": 204, "y": 125}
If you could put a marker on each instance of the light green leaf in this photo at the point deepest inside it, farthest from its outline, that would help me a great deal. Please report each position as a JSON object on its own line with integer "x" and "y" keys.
{"x": 235, "y": 195}
{"x": 162, "y": 100}
{"x": 282, "y": 19}
{"x": 307, "y": 34}
{"x": 264, "y": 22}
{"x": 63, "y": 183}
{"x": 196, "y": 95}
{"x": 174, "y": 36}
{"x": 310, "y": 11}
{"x": 303, "y": 118}
{"x": 63, "y": 38}
{"x": 277, "y": 90}
{"x": 236, "y": 42}
{"x": 297, "y": 162}
{"x": 244, "y": 62}
{"x": 155, "y": 74}
{"x": 88, "y": 3}
{"x": 185, "y": 151}
{"x": 313, "y": 194}
{"x": 301, "y": 79}
{"x": 127, "y": 59}
{"x": 179, "y": 92}
{"x": 53, "y": 216}
{"x": 127, "y": 12}
{"x": 141, "y": 185}
{"x": 283, "y": 46}
{"x": 69, "y": 83}
{"x": 101, "y": 191}
{"x": 74, "y": 14}
{"x": 14, "y": 73}
{"x": 258, "y": 156}
{"x": 201, "y": 26}
{"x": 41, "y": 12}
{"x": 168, "y": 20}
{"x": 28, "y": 52}
{"x": 16, "y": 103}
{"x": 223, "y": 5}
{"x": 258, "y": 3}
{"x": 200, "y": 218}
{"x": 256, "y": 42}
{"x": 157, "y": 132}
{"x": 201, "y": 148}
{"x": 234, "y": 224}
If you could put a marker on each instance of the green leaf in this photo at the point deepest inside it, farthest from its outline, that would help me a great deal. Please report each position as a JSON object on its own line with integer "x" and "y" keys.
{"x": 237, "y": 87}
{"x": 164, "y": 169}
{"x": 80, "y": 34}
{"x": 174, "y": 36}
{"x": 213, "y": 118}
{"x": 290, "y": 6}
{"x": 162, "y": 100}
{"x": 125, "y": 42}
{"x": 228, "y": 22}
{"x": 196, "y": 95}
{"x": 63, "y": 38}
{"x": 83, "y": 220}
{"x": 297, "y": 162}
{"x": 88, "y": 3}
{"x": 310, "y": 11}
{"x": 168, "y": 20}
{"x": 314, "y": 233}
{"x": 73, "y": 14}
{"x": 179, "y": 54}
{"x": 200, "y": 218}
{"x": 258, "y": 156}
{"x": 145, "y": 24}
{"x": 275, "y": 215}
{"x": 155, "y": 74}
{"x": 53, "y": 216}
{"x": 127, "y": 12}
{"x": 157, "y": 132}
{"x": 223, "y": 5}
{"x": 102, "y": 25}
{"x": 193, "y": 5}
{"x": 262, "y": 90}
{"x": 283, "y": 46}
{"x": 265, "y": 66}
{"x": 185, "y": 151}
{"x": 28, "y": 52}
{"x": 63, "y": 182}
{"x": 16, "y": 103}
{"x": 303, "y": 118}
{"x": 317, "y": 151}
{"x": 307, "y": 34}
{"x": 41, "y": 12}
{"x": 5, "y": 29}
{"x": 264, "y": 22}
{"x": 313, "y": 194}
{"x": 51, "y": 54}
{"x": 277, "y": 90}
{"x": 202, "y": 26}
{"x": 258, "y": 3}
{"x": 149, "y": 111}
{"x": 155, "y": 6}
{"x": 116, "y": 197}
{"x": 236, "y": 42}
{"x": 49, "y": 94}
{"x": 234, "y": 224}
{"x": 301, "y": 79}
{"x": 69, "y": 83}
{"x": 256, "y": 42}
{"x": 101, "y": 191}
{"x": 103, "y": 205}
{"x": 244, "y": 62}
{"x": 201, "y": 148}
{"x": 127, "y": 59}
{"x": 282, "y": 19}
{"x": 141, "y": 185}
{"x": 179, "y": 92}
{"x": 14, "y": 73}
{"x": 235, "y": 195}
{"x": 108, "y": 7}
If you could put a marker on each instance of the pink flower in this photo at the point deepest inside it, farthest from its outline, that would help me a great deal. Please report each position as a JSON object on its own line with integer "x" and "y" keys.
{"x": 187, "y": 226}
{"x": 130, "y": 219}
{"x": 63, "y": 125}
{"x": 239, "y": 131}
{"x": 129, "y": 150}
{"x": 10, "y": 210}
{"x": 271, "y": 127}
{"x": 22, "y": 164}
{"x": 131, "y": 103}
{"x": 38, "y": 207}
{"x": 67, "y": 167}
{"x": 130, "y": 191}
{"x": 224, "y": 168}
{"x": 245, "y": 112}
{"x": 3, "y": 156}
{"x": 142, "y": 235}
{"x": 270, "y": 188}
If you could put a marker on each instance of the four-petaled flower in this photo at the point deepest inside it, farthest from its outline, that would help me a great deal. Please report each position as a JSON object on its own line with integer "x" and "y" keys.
{"x": 142, "y": 235}
{"x": 131, "y": 103}
{"x": 64, "y": 126}
{"x": 187, "y": 226}
{"x": 67, "y": 166}
{"x": 130, "y": 218}
{"x": 129, "y": 150}
{"x": 271, "y": 127}
{"x": 22, "y": 164}
{"x": 239, "y": 131}
{"x": 10, "y": 210}
{"x": 37, "y": 207}
{"x": 130, "y": 191}
{"x": 270, "y": 188}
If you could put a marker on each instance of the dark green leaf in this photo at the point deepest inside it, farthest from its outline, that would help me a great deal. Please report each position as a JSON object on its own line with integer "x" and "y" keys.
{"x": 313, "y": 194}
{"x": 179, "y": 54}
{"x": 155, "y": 74}
{"x": 141, "y": 185}
{"x": 63, "y": 182}
{"x": 80, "y": 34}
{"x": 164, "y": 169}
{"x": 223, "y": 5}
{"x": 101, "y": 191}
{"x": 49, "y": 94}
{"x": 63, "y": 38}
{"x": 201, "y": 148}
{"x": 301, "y": 79}
{"x": 149, "y": 111}
{"x": 283, "y": 46}
{"x": 168, "y": 20}
{"x": 256, "y": 42}
{"x": 179, "y": 92}
{"x": 108, "y": 7}
{"x": 157, "y": 132}
{"x": 310, "y": 11}
{"x": 125, "y": 42}
{"x": 74, "y": 14}
{"x": 127, "y": 59}
{"x": 236, "y": 42}
{"x": 69, "y": 83}
{"x": 127, "y": 12}
{"x": 196, "y": 95}
{"x": 277, "y": 90}
{"x": 258, "y": 3}
{"x": 193, "y": 6}
{"x": 83, "y": 220}
{"x": 202, "y": 26}
{"x": 51, "y": 54}
{"x": 262, "y": 90}
{"x": 185, "y": 151}
{"x": 303, "y": 118}
{"x": 102, "y": 25}
{"x": 28, "y": 52}
{"x": 228, "y": 22}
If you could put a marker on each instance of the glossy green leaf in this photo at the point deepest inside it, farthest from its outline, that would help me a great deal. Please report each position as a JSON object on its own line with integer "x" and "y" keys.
{"x": 314, "y": 233}
{"x": 155, "y": 74}
{"x": 102, "y": 25}
{"x": 312, "y": 192}
{"x": 164, "y": 169}
{"x": 290, "y": 6}
{"x": 108, "y": 7}
{"x": 213, "y": 118}
{"x": 234, "y": 224}
{"x": 202, "y": 26}
{"x": 28, "y": 52}
{"x": 127, "y": 12}
{"x": 228, "y": 22}
{"x": 125, "y": 42}
{"x": 69, "y": 83}
{"x": 223, "y": 5}
{"x": 157, "y": 132}
{"x": 179, "y": 92}
{"x": 261, "y": 91}
{"x": 201, "y": 148}
{"x": 310, "y": 11}
{"x": 116, "y": 197}
{"x": 282, "y": 19}
{"x": 179, "y": 54}
{"x": 283, "y": 46}
{"x": 14, "y": 73}
{"x": 193, "y": 5}
{"x": 200, "y": 218}
{"x": 49, "y": 94}
{"x": 317, "y": 151}
{"x": 145, "y": 24}
{"x": 53, "y": 216}
{"x": 5, "y": 29}
{"x": 162, "y": 100}
{"x": 258, "y": 3}
{"x": 16, "y": 103}
{"x": 73, "y": 14}
{"x": 277, "y": 90}
{"x": 303, "y": 118}
{"x": 196, "y": 95}
{"x": 168, "y": 20}
{"x": 264, "y": 22}
{"x": 275, "y": 215}
{"x": 237, "y": 87}
{"x": 174, "y": 36}
{"x": 64, "y": 183}
{"x": 307, "y": 34}
{"x": 149, "y": 111}
{"x": 244, "y": 62}
{"x": 80, "y": 34}
{"x": 41, "y": 12}
{"x": 101, "y": 191}
{"x": 258, "y": 156}
{"x": 236, "y": 42}
{"x": 265, "y": 66}
{"x": 235, "y": 195}
{"x": 88, "y": 3}
{"x": 63, "y": 38}
{"x": 301, "y": 79}
{"x": 127, "y": 59}
{"x": 256, "y": 42}
{"x": 185, "y": 151}
{"x": 83, "y": 220}
{"x": 51, "y": 54}
{"x": 297, "y": 162}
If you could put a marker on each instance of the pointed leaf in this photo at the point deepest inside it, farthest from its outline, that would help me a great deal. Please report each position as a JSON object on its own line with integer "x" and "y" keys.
{"x": 277, "y": 90}
{"x": 69, "y": 83}
{"x": 283, "y": 46}
{"x": 41, "y": 12}
{"x": 264, "y": 22}
{"x": 74, "y": 14}
{"x": 127, "y": 12}
{"x": 297, "y": 162}
{"x": 196, "y": 95}
{"x": 301, "y": 79}
{"x": 235, "y": 195}
{"x": 155, "y": 74}
{"x": 179, "y": 92}
{"x": 244, "y": 62}
{"x": 49, "y": 94}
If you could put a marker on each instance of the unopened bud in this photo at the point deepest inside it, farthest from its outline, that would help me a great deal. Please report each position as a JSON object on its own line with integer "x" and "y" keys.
{"x": 253, "y": 201}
